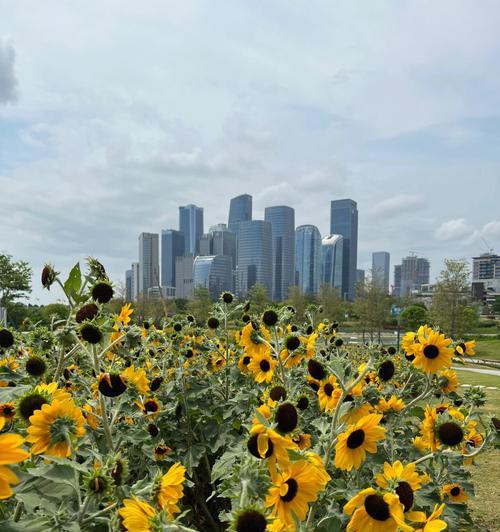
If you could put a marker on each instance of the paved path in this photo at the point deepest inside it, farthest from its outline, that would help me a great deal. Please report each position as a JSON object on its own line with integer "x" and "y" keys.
{"x": 484, "y": 371}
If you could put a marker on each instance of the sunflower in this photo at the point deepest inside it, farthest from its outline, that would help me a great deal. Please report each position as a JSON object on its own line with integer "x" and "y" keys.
{"x": 53, "y": 426}
{"x": 465, "y": 348}
{"x": 311, "y": 344}
{"x": 454, "y": 492}
{"x": 161, "y": 451}
{"x": 440, "y": 427}
{"x": 7, "y": 411}
{"x": 428, "y": 524}
{"x": 375, "y": 512}
{"x": 302, "y": 440}
{"x": 124, "y": 317}
{"x": 293, "y": 490}
{"x": 421, "y": 444}
{"x": 432, "y": 353}
{"x": 290, "y": 359}
{"x": 358, "y": 439}
{"x": 267, "y": 443}
{"x": 137, "y": 515}
{"x": 137, "y": 378}
{"x": 355, "y": 413}
{"x": 404, "y": 480}
{"x": 448, "y": 381}
{"x": 329, "y": 394}
{"x": 262, "y": 366}
{"x": 253, "y": 339}
{"x": 243, "y": 363}
{"x": 10, "y": 453}
{"x": 170, "y": 489}
{"x": 393, "y": 404}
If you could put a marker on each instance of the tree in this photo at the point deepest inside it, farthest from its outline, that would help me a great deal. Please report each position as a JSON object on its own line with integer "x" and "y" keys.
{"x": 56, "y": 311}
{"x": 451, "y": 309}
{"x": 201, "y": 304}
{"x": 258, "y": 297}
{"x": 495, "y": 308}
{"x": 297, "y": 300}
{"x": 333, "y": 306}
{"x": 15, "y": 279}
{"x": 413, "y": 317}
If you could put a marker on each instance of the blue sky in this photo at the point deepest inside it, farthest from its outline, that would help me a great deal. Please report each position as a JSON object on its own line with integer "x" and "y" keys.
{"x": 112, "y": 114}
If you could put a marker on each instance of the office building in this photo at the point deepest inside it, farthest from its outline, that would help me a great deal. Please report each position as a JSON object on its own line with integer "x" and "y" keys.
{"x": 344, "y": 221}
{"x": 396, "y": 289}
{"x": 307, "y": 259}
{"x": 128, "y": 285}
{"x": 360, "y": 276}
{"x": 219, "y": 241}
{"x": 191, "y": 225}
{"x": 415, "y": 271}
{"x": 486, "y": 278}
{"x": 240, "y": 210}
{"x": 214, "y": 272}
{"x": 184, "y": 277}
{"x": 161, "y": 292}
{"x": 332, "y": 249}
{"x": 172, "y": 246}
{"x": 282, "y": 220}
{"x": 254, "y": 256}
{"x": 149, "y": 264}
{"x": 381, "y": 269}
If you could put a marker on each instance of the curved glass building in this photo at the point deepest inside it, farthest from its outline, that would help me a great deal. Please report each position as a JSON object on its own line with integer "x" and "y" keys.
{"x": 240, "y": 210}
{"x": 214, "y": 272}
{"x": 332, "y": 250}
{"x": 307, "y": 258}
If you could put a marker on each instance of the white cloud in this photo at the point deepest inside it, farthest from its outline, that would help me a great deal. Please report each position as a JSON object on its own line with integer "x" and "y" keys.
{"x": 8, "y": 81}
{"x": 453, "y": 230}
{"x": 399, "y": 204}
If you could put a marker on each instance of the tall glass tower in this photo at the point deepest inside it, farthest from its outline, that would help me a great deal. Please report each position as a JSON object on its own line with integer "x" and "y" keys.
{"x": 307, "y": 258}
{"x": 254, "y": 256}
{"x": 380, "y": 269}
{"x": 332, "y": 248}
{"x": 191, "y": 224}
{"x": 282, "y": 220}
{"x": 240, "y": 210}
{"x": 172, "y": 246}
{"x": 344, "y": 221}
{"x": 214, "y": 272}
{"x": 149, "y": 264}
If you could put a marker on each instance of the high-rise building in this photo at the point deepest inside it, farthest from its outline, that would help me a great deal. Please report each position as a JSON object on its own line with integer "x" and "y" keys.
{"x": 360, "y": 276}
{"x": 191, "y": 224}
{"x": 254, "y": 256}
{"x": 128, "y": 285}
{"x": 149, "y": 265}
{"x": 396, "y": 289}
{"x": 184, "y": 277}
{"x": 414, "y": 273}
{"x": 344, "y": 221}
{"x": 307, "y": 258}
{"x": 282, "y": 220}
{"x": 214, "y": 272}
{"x": 219, "y": 241}
{"x": 240, "y": 210}
{"x": 486, "y": 277}
{"x": 172, "y": 246}
{"x": 332, "y": 250}
{"x": 380, "y": 269}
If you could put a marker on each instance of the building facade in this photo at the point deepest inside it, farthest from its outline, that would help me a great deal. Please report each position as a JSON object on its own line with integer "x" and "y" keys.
{"x": 344, "y": 221}
{"x": 396, "y": 289}
{"x": 332, "y": 250}
{"x": 415, "y": 271}
{"x": 240, "y": 210}
{"x": 219, "y": 241}
{"x": 254, "y": 256}
{"x": 307, "y": 259}
{"x": 128, "y": 285}
{"x": 215, "y": 273}
{"x": 486, "y": 278}
{"x": 172, "y": 246}
{"x": 191, "y": 225}
{"x": 149, "y": 264}
{"x": 184, "y": 277}
{"x": 360, "y": 276}
{"x": 381, "y": 269}
{"x": 282, "y": 220}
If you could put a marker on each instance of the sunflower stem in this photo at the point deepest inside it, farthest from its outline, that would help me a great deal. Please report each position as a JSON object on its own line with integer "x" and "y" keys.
{"x": 102, "y": 403}
{"x": 99, "y": 514}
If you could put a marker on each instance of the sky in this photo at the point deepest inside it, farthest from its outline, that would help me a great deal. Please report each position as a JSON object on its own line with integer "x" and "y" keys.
{"x": 112, "y": 114}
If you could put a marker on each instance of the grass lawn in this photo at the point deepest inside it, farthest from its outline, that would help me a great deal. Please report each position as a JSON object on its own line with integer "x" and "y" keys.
{"x": 488, "y": 348}
{"x": 478, "y": 379}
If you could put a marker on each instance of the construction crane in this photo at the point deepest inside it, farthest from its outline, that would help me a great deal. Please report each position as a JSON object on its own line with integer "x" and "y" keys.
{"x": 488, "y": 247}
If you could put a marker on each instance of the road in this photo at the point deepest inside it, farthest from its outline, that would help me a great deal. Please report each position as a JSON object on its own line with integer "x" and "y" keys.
{"x": 484, "y": 371}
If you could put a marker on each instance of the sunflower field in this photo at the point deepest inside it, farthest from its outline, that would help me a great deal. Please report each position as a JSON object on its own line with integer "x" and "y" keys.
{"x": 247, "y": 422}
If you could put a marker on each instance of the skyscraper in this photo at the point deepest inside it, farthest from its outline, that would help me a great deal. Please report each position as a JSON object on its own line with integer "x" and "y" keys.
{"x": 254, "y": 256}
{"x": 191, "y": 224}
{"x": 414, "y": 273}
{"x": 360, "y": 276}
{"x": 128, "y": 285}
{"x": 307, "y": 258}
{"x": 135, "y": 281}
{"x": 172, "y": 246}
{"x": 184, "y": 277}
{"x": 219, "y": 241}
{"x": 332, "y": 250}
{"x": 344, "y": 221}
{"x": 380, "y": 269}
{"x": 240, "y": 210}
{"x": 396, "y": 289}
{"x": 282, "y": 220}
{"x": 149, "y": 265}
{"x": 214, "y": 272}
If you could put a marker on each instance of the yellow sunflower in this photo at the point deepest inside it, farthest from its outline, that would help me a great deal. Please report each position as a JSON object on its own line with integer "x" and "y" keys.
{"x": 442, "y": 427}
{"x": 291, "y": 359}
{"x": 262, "y": 366}
{"x": 311, "y": 344}
{"x": 465, "y": 348}
{"x": 375, "y": 512}
{"x": 404, "y": 480}
{"x": 355, "y": 413}
{"x": 394, "y": 404}
{"x": 421, "y": 444}
{"x": 124, "y": 317}
{"x": 265, "y": 443}
{"x": 431, "y": 523}
{"x": 52, "y": 391}
{"x": 53, "y": 425}
{"x": 137, "y": 378}
{"x": 432, "y": 353}
{"x": 171, "y": 489}
{"x": 329, "y": 394}
{"x": 454, "y": 492}
{"x": 253, "y": 340}
{"x": 137, "y": 515}
{"x": 7, "y": 411}
{"x": 448, "y": 381}
{"x": 243, "y": 363}
{"x": 10, "y": 453}
{"x": 293, "y": 490}
{"x": 357, "y": 440}
{"x": 302, "y": 440}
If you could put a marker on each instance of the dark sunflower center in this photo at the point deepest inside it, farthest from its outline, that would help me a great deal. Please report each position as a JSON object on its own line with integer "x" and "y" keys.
{"x": 151, "y": 406}
{"x": 405, "y": 494}
{"x": 348, "y": 398}
{"x": 251, "y": 521}
{"x": 356, "y": 439}
{"x": 292, "y": 490}
{"x": 252, "y": 447}
{"x": 431, "y": 351}
{"x": 377, "y": 508}
{"x": 246, "y": 361}
{"x": 450, "y": 434}
{"x": 463, "y": 346}
{"x": 455, "y": 491}
{"x": 264, "y": 365}
{"x": 328, "y": 389}
{"x": 8, "y": 411}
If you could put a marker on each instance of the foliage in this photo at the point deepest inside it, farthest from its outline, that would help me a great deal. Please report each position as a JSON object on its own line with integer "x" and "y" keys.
{"x": 15, "y": 279}
{"x": 331, "y": 303}
{"x": 413, "y": 317}
{"x": 200, "y": 305}
{"x": 258, "y": 297}
{"x": 154, "y": 395}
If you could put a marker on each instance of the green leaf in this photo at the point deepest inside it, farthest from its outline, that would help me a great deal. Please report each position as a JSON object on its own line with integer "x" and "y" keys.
{"x": 74, "y": 281}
